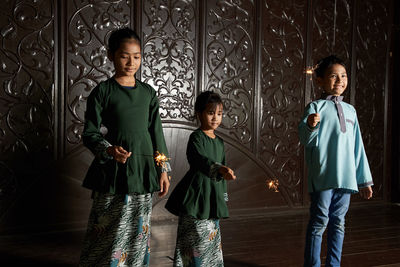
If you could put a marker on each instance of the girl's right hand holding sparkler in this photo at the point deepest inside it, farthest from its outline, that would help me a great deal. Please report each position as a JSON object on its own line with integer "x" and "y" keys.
{"x": 118, "y": 153}
{"x": 227, "y": 173}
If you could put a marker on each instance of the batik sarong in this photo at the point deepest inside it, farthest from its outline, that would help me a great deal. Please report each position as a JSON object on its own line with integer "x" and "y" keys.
{"x": 198, "y": 243}
{"x": 118, "y": 231}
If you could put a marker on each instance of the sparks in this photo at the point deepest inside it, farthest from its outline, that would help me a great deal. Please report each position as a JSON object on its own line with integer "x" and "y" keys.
{"x": 160, "y": 159}
{"x": 273, "y": 184}
{"x": 310, "y": 70}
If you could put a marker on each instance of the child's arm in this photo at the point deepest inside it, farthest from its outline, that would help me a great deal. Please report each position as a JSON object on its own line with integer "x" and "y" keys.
{"x": 164, "y": 184}
{"x": 198, "y": 159}
{"x": 227, "y": 173}
{"x": 313, "y": 120}
{"x": 363, "y": 172}
{"x": 155, "y": 124}
{"x": 366, "y": 192}
{"x": 158, "y": 140}
{"x": 118, "y": 153}
{"x": 309, "y": 126}
{"x": 92, "y": 137}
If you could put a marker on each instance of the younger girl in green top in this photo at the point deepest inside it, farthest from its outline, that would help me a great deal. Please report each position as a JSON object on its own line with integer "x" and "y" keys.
{"x": 123, "y": 175}
{"x": 200, "y": 197}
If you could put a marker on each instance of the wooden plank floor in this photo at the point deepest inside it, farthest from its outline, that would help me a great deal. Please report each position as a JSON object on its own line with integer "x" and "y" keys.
{"x": 372, "y": 239}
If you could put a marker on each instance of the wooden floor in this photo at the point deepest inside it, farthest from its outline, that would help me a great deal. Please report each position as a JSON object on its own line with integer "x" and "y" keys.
{"x": 372, "y": 239}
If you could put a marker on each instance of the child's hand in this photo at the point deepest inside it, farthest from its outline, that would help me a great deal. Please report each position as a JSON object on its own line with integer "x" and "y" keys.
{"x": 164, "y": 184}
{"x": 313, "y": 119}
{"x": 366, "y": 192}
{"x": 118, "y": 153}
{"x": 227, "y": 173}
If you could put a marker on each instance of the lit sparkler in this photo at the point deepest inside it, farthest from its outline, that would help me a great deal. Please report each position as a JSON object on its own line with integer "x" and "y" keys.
{"x": 273, "y": 184}
{"x": 310, "y": 70}
{"x": 161, "y": 159}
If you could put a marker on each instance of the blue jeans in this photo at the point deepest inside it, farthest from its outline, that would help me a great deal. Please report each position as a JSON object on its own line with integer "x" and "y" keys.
{"x": 328, "y": 209}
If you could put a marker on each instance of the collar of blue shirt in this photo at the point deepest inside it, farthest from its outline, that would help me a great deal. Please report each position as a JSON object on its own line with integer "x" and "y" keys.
{"x": 332, "y": 97}
{"x": 339, "y": 108}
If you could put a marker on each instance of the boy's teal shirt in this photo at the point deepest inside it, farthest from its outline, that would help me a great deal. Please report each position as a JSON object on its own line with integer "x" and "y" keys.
{"x": 335, "y": 159}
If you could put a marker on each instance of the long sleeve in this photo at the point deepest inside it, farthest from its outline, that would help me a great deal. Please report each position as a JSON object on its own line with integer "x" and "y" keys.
{"x": 308, "y": 137}
{"x": 198, "y": 159}
{"x": 92, "y": 137}
{"x": 363, "y": 173}
{"x": 156, "y": 131}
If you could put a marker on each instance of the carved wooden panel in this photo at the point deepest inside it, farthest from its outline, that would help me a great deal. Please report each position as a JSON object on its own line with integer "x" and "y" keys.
{"x": 332, "y": 34}
{"x": 371, "y": 46}
{"x": 230, "y": 69}
{"x": 282, "y": 87}
{"x": 252, "y": 52}
{"x": 26, "y": 78}
{"x": 170, "y": 55}
{"x": 88, "y": 28}
{"x": 26, "y": 92}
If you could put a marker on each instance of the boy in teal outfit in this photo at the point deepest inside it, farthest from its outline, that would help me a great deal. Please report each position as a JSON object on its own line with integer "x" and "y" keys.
{"x": 336, "y": 161}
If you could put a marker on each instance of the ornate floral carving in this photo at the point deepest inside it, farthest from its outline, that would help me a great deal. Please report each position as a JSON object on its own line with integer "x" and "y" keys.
{"x": 230, "y": 68}
{"x": 282, "y": 88}
{"x": 169, "y": 55}
{"x": 26, "y": 95}
{"x": 90, "y": 23}
{"x": 26, "y": 75}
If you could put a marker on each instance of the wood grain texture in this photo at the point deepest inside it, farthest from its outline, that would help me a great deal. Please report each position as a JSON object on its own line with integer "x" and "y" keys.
{"x": 273, "y": 240}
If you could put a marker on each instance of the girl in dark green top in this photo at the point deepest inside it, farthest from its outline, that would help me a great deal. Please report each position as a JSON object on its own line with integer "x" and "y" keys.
{"x": 123, "y": 175}
{"x": 200, "y": 197}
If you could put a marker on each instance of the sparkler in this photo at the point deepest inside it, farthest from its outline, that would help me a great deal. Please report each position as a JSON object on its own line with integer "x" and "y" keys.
{"x": 273, "y": 184}
{"x": 161, "y": 159}
{"x": 310, "y": 70}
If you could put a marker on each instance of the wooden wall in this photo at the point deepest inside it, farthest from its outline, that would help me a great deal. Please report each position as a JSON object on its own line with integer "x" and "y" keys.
{"x": 254, "y": 53}
{"x": 395, "y": 108}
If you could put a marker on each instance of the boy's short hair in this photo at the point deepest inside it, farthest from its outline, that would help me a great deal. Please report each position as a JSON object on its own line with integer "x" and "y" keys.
{"x": 205, "y": 98}
{"x": 118, "y": 36}
{"x": 326, "y": 63}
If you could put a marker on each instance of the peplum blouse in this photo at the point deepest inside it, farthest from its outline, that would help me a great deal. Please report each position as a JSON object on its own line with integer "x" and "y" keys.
{"x": 131, "y": 117}
{"x": 202, "y": 192}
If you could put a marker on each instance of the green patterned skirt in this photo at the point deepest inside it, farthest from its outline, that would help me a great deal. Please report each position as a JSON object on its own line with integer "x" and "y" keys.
{"x": 198, "y": 243}
{"x": 118, "y": 232}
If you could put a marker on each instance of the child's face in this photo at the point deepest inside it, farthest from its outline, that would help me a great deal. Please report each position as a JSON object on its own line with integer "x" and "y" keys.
{"x": 334, "y": 81}
{"x": 127, "y": 58}
{"x": 211, "y": 118}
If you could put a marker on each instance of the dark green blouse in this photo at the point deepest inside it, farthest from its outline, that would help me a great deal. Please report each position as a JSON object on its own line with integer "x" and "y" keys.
{"x": 132, "y": 119}
{"x": 202, "y": 192}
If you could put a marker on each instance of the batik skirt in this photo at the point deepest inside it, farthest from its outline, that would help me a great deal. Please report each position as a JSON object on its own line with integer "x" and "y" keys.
{"x": 118, "y": 232}
{"x": 198, "y": 243}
